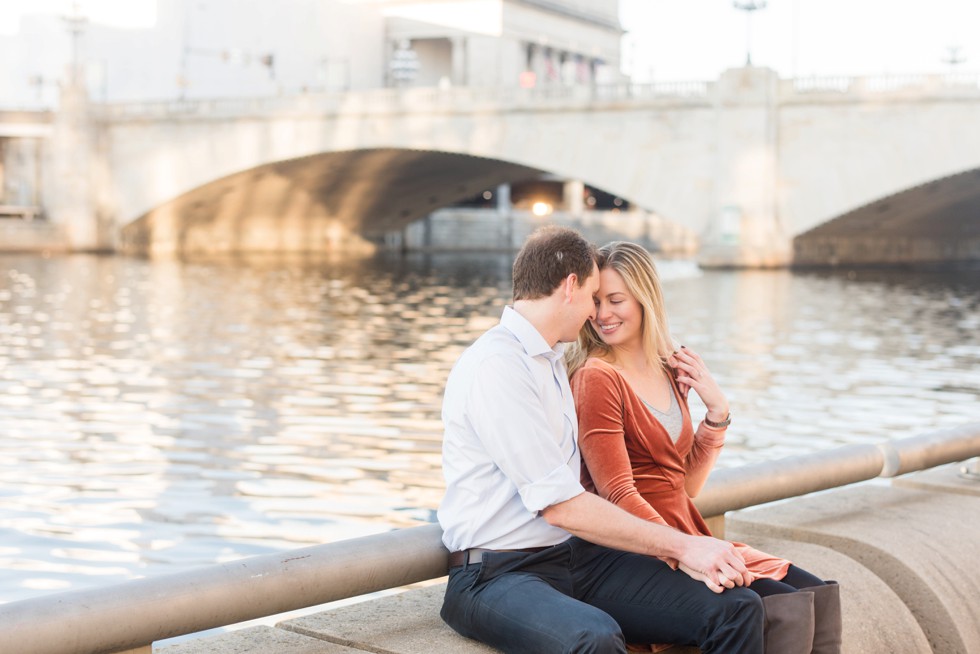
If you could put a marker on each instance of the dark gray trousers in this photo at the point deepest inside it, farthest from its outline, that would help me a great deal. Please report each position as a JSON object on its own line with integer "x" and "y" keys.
{"x": 581, "y": 597}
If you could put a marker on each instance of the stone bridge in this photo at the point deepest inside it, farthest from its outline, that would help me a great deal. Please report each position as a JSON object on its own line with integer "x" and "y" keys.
{"x": 856, "y": 170}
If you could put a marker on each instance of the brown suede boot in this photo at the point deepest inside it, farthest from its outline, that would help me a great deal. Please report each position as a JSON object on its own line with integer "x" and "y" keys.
{"x": 789, "y": 623}
{"x": 827, "y": 631}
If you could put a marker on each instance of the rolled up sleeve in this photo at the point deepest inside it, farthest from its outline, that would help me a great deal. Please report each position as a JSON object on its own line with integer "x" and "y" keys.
{"x": 557, "y": 487}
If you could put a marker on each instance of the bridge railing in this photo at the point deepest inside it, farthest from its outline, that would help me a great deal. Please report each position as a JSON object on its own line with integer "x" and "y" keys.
{"x": 935, "y": 83}
{"x": 381, "y": 101}
{"x": 434, "y": 99}
{"x": 140, "y": 612}
{"x": 459, "y": 98}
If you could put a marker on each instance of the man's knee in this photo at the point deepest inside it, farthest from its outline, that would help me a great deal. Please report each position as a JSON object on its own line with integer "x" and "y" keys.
{"x": 743, "y": 606}
{"x": 600, "y": 634}
{"x": 734, "y": 623}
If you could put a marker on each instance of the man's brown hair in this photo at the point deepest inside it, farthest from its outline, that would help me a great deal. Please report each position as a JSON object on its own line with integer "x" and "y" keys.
{"x": 549, "y": 255}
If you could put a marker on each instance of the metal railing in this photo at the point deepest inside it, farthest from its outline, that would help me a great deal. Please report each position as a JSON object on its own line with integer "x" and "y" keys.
{"x": 137, "y": 613}
{"x": 730, "y": 489}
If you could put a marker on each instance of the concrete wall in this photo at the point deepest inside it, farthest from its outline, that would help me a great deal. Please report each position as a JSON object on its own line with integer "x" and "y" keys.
{"x": 457, "y": 229}
{"x": 32, "y": 236}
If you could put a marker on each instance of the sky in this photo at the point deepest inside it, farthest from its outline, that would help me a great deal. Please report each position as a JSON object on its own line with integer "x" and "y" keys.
{"x": 117, "y": 13}
{"x": 697, "y": 39}
{"x": 670, "y": 40}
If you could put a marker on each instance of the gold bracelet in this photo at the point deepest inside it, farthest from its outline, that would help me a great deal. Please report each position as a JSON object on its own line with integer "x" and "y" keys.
{"x": 718, "y": 425}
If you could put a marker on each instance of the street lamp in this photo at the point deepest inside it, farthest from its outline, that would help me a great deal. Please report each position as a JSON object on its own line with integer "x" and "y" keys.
{"x": 954, "y": 57}
{"x": 76, "y": 27}
{"x": 749, "y": 7}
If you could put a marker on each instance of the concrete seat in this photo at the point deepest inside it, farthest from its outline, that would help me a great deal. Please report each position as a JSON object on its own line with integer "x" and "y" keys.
{"x": 256, "y": 640}
{"x": 876, "y": 619}
{"x": 408, "y": 623}
{"x": 905, "y": 555}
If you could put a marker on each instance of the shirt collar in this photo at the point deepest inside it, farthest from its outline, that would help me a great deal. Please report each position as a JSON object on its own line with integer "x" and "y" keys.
{"x": 528, "y": 336}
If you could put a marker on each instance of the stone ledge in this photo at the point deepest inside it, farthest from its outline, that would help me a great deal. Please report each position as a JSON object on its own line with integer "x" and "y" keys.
{"x": 944, "y": 479}
{"x": 407, "y": 623}
{"x": 922, "y": 544}
{"x": 875, "y": 618}
{"x": 257, "y": 640}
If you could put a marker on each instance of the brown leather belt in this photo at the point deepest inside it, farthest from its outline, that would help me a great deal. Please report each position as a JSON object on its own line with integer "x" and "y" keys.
{"x": 475, "y": 554}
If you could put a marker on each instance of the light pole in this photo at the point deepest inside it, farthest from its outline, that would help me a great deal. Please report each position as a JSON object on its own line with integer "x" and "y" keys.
{"x": 954, "y": 57}
{"x": 76, "y": 27}
{"x": 749, "y": 7}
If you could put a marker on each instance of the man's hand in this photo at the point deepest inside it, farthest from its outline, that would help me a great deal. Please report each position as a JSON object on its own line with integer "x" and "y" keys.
{"x": 714, "y": 562}
{"x": 697, "y": 576}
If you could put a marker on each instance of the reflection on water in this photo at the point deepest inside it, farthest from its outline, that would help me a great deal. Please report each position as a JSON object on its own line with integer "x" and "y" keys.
{"x": 161, "y": 415}
{"x": 819, "y": 360}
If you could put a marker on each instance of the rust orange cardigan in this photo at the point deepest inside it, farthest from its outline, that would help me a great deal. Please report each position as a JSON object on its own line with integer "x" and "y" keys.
{"x": 630, "y": 459}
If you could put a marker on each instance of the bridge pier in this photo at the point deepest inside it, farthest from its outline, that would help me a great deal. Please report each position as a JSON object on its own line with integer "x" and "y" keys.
{"x": 744, "y": 230}
{"x": 75, "y": 175}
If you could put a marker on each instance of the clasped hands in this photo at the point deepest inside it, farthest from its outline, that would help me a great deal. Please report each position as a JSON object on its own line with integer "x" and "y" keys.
{"x": 716, "y": 563}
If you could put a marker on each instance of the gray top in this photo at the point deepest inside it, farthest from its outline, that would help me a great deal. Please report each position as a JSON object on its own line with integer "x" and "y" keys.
{"x": 672, "y": 420}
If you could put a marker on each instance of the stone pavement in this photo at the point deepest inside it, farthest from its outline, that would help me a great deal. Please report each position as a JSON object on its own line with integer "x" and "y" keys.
{"x": 906, "y": 553}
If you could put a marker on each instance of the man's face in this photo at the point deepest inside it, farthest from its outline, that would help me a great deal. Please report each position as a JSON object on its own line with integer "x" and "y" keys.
{"x": 581, "y": 307}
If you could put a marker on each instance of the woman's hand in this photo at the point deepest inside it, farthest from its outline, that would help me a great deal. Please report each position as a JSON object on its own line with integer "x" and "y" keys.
{"x": 747, "y": 578}
{"x": 692, "y": 373}
{"x": 700, "y": 576}
{"x": 714, "y": 562}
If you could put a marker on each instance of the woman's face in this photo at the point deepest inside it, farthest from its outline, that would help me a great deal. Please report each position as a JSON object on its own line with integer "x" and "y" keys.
{"x": 619, "y": 317}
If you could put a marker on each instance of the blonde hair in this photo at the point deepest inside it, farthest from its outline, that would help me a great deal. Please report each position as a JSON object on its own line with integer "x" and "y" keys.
{"x": 635, "y": 265}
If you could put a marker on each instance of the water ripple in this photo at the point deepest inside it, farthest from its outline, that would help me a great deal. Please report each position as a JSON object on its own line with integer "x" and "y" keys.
{"x": 160, "y": 415}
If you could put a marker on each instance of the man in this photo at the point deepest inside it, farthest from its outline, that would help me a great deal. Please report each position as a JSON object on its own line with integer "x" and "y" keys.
{"x": 537, "y": 564}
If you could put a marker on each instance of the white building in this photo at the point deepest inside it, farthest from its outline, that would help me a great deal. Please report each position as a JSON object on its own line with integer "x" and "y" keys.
{"x": 225, "y": 48}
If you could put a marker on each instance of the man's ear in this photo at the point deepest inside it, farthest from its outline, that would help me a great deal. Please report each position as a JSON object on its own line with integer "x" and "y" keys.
{"x": 571, "y": 283}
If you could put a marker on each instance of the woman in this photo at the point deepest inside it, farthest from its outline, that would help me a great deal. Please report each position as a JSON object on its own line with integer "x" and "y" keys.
{"x": 641, "y": 451}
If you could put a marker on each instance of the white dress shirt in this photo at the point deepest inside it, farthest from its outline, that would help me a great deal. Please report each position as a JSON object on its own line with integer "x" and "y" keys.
{"x": 510, "y": 444}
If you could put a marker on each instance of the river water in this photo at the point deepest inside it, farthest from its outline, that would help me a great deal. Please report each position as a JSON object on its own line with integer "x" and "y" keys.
{"x": 159, "y": 415}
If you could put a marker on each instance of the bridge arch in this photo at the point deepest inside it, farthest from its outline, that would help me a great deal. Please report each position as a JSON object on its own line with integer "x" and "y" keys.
{"x": 325, "y": 201}
{"x": 935, "y": 222}
{"x": 165, "y": 165}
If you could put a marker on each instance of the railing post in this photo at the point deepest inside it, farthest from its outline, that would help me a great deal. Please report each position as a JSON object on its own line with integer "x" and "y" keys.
{"x": 971, "y": 473}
